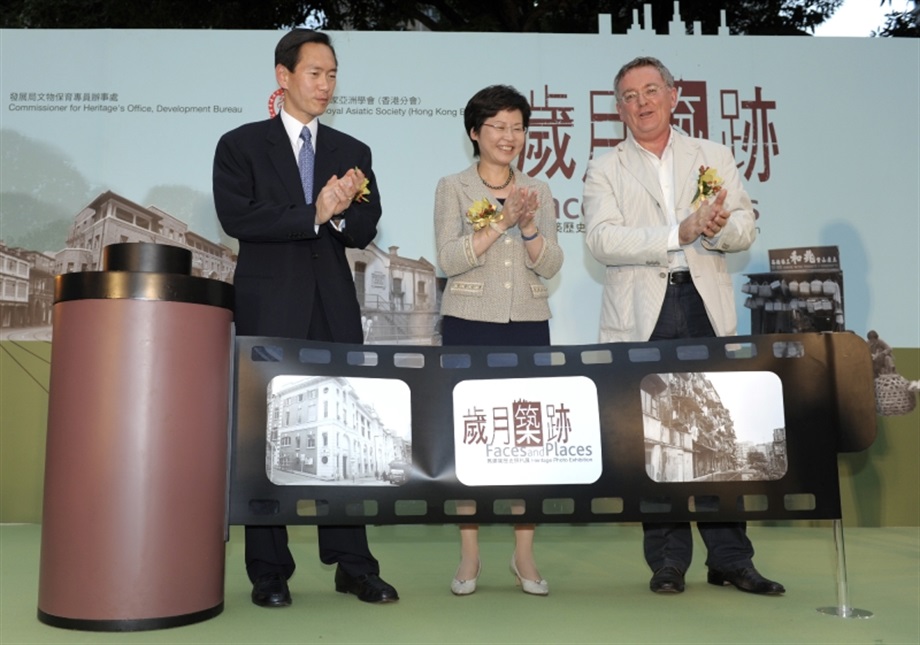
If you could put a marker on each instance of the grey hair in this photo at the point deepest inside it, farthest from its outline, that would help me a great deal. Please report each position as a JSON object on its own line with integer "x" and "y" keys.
{"x": 643, "y": 61}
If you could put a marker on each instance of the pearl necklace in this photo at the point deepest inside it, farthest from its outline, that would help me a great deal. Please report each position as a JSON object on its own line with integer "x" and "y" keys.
{"x": 503, "y": 186}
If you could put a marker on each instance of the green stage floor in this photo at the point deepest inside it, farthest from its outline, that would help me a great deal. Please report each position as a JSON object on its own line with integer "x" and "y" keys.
{"x": 598, "y": 593}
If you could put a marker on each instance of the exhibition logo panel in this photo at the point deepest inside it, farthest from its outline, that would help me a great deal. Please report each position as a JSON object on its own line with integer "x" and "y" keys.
{"x": 527, "y": 431}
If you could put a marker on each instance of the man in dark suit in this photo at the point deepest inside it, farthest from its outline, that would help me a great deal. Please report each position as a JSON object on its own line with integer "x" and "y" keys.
{"x": 296, "y": 193}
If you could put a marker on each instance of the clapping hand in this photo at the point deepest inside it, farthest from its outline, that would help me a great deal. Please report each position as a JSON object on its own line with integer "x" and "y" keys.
{"x": 520, "y": 208}
{"x": 708, "y": 220}
{"x": 338, "y": 194}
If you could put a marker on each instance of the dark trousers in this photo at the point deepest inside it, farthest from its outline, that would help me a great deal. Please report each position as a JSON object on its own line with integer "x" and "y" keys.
{"x": 267, "y": 550}
{"x": 683, "y": 315}
{"x": 267, "y": 546}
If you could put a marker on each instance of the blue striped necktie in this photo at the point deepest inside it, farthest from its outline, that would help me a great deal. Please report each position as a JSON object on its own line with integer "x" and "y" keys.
{"x": 305, "y": 164}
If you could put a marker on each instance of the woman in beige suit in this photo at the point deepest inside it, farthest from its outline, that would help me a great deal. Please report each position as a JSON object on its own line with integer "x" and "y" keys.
{"x": 495, "y": 230}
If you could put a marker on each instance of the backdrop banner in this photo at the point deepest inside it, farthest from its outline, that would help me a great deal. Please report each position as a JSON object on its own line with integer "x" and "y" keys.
{"x": 114, "y": 142}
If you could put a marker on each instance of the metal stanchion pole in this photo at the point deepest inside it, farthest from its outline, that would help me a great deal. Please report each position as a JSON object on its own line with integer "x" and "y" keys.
{"x": 842, "y": 609}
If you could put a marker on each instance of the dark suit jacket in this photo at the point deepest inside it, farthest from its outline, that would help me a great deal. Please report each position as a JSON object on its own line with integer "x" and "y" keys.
{"x": 283, "y": 261}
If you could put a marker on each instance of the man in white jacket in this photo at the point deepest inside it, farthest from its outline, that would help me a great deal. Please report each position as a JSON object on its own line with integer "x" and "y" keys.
{"x": 661, "y": 211}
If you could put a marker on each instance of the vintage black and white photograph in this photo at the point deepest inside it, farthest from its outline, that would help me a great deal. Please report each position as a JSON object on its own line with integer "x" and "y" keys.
{"x": 331, "y": 430}
{"x": 714, "y": 426}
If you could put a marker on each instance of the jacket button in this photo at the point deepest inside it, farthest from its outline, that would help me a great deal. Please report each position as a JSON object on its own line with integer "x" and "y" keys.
{"x": 507, "y": 285}
{"x": 507, "y": 263}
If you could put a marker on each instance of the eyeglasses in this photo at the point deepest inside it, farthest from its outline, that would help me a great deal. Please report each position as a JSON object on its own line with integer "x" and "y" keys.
{"x": 503, "y": 129}
{"x": 651, "y": 92}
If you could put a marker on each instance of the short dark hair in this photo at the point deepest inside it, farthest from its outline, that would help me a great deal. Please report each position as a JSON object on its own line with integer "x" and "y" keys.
{"x": 643, "y": 61}
{"x": 488, "y": 102}
{"x": 287, "y": 51}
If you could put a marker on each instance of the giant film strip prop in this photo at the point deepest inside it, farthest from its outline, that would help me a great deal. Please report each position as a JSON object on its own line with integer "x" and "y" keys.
{"x": 726, "y": 429}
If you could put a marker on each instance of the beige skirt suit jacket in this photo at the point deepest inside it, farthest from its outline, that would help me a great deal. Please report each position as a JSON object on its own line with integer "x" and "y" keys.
{"x": 502, "y": 284}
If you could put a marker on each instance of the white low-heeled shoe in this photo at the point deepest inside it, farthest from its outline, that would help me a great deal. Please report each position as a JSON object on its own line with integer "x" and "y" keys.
{"x": 536, "y": 587}
{"x": 465, "y": 587}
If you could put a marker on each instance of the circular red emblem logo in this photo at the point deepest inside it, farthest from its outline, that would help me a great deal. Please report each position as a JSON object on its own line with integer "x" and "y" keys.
{"x": 274, "y": 102}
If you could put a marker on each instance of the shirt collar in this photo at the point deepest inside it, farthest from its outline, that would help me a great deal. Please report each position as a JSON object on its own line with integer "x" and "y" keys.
{"x": 293, "y": 127}
{"x": 668, "y": 147}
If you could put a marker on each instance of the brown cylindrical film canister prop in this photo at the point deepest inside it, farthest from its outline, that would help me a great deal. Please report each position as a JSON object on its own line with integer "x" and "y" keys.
{"x": 134, "y": 515}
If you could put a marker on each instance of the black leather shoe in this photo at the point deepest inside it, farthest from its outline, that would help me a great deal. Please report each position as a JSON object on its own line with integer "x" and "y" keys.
{"x": 667, "y": 580}
{"x": 746, "y": 579}
{"x": 368, "y": 587}
{"x": 271, "y": 590}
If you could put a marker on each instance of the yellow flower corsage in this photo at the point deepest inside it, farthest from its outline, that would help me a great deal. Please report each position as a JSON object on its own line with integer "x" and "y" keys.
{"x": 363, "y": 191}
{"x": 708, "y": 185}
{"x": 482, "y": 213}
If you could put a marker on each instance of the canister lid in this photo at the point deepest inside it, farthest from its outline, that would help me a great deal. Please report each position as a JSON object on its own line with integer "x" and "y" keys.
{"x": 147, "y": 258}
{"x": 144, "y": 271}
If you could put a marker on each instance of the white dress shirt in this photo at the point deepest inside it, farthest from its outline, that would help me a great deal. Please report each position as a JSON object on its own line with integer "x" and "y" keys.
{"x": 664, "y": 168}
